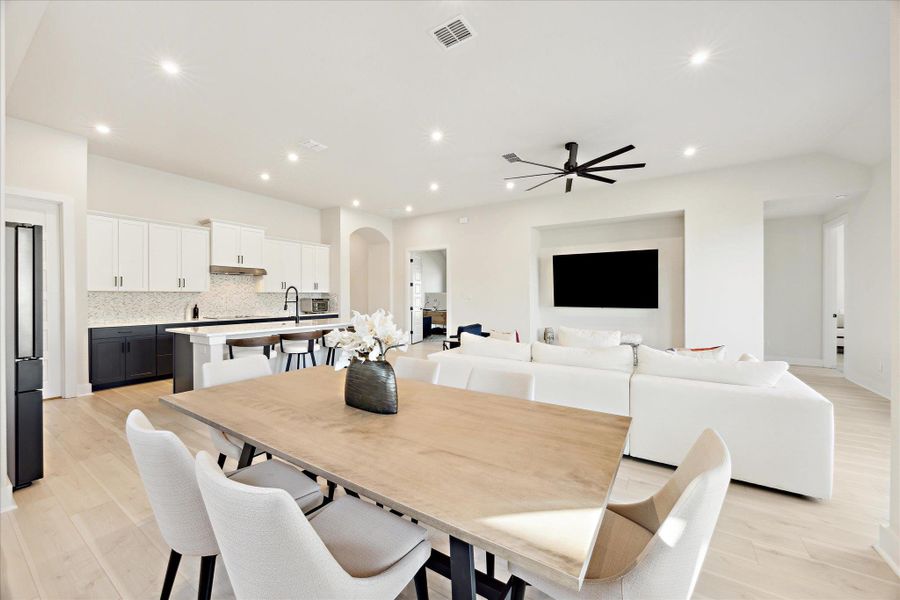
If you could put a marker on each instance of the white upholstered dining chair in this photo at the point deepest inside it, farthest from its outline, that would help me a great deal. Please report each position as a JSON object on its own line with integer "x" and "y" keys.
{"x": 502, "y": 383}
{"x": 654, "y": 549}
{"x": 419, "y": 369}
{"x": 348, "y": 549}
{"x": 229, "y": 371}
{"x": 167, "y": 471}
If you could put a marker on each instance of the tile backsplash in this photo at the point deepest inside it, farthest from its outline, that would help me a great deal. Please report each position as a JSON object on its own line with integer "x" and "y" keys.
{"x": 228, "y": 295}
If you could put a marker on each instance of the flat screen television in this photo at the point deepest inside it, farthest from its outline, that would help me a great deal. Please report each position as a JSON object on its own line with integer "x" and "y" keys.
{"x": 628, "y": 279}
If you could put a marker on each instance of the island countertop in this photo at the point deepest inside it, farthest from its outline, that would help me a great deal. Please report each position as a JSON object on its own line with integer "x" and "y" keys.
{"x": 239, "y": 330}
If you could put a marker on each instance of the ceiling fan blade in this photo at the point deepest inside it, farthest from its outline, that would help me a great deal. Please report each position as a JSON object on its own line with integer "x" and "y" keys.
{"x": 524, "y": 176}
{"x": 568, "y": 185}
{"x": 615, "y": 167}
{"x": 543, "y": 182}
{"x": 528, "y": 162}
{"x": 612, "y": 154}
{"x": 596, "y": 177}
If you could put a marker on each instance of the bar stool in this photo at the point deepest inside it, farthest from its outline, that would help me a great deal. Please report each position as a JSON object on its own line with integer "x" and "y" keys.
{"x": 330, "y": 351}
{"x": 266, "y": 342}
{"x": 300, "y": 344}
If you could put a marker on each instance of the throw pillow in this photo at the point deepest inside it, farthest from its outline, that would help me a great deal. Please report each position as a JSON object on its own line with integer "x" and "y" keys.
{"x": 613, "y": 358}
{"x": 506, "y": 336}
{"x": 712, "y": 353}
{"x": 475, "y": 345}
{"x": 745, "y": 357}
{"x": 666, "y": 364}
{"x": 588, "y": 338}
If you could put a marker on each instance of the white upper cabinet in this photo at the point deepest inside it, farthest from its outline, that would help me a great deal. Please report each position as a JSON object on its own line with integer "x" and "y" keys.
{"x": 117, "y": 254}
{"x": 282, "y": 263}
{"x": 314, "y": 268}
{"x": 165, "y": 255}
{"x": 194, "y": 260}
{"x": 235, "y": 245}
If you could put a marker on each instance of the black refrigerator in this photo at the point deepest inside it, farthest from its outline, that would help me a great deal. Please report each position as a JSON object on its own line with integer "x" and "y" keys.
{"x": 24, "y": 349}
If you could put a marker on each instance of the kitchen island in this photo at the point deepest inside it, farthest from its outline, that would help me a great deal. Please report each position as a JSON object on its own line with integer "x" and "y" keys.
{"x": 200, "y": 344}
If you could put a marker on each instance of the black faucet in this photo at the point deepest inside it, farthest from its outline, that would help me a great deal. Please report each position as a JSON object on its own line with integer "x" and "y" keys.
{"x": 296, "y": 302}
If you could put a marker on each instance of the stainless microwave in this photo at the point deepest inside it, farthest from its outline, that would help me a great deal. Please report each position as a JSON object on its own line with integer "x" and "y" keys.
{"x": 314, "y": 305}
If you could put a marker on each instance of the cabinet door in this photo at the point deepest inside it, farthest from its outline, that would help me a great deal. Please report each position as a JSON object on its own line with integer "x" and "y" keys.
{"x": 307, "y": 268}
{"x": 323, "y": 254}
{"x": 290, "y": 264}
{"x": 252, "y": 247}
{"x": 140, "y": 356}
{"x": 102, "y": 251}
{"x": 273, "y": 281}
{"x": 132, "y": 256}
{"x": 163, "y": 253}
{"x": 194, "y": 260}
{"x": 107, "y": 361}
{"x": 226, "y": 244}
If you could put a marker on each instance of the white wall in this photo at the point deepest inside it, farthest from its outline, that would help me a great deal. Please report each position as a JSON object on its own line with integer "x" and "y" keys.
{"x": 359, "y": 273}
{"x": 434, "y": 271}
{"x": 662, "y": 327}
{"x": 493, "y": 275}
{"x": 867, "y": 355}
{"x": 125, "y": 188}
{"x": 793, "y": 289}
{"x": 379, "y": 278}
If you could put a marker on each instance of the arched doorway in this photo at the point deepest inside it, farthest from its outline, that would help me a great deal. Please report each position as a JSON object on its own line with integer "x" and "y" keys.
{"x": 370, "y": 281}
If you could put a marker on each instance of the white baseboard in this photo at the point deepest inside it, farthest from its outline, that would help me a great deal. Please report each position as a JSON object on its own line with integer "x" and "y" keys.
{"x": 85, "y": 389}
{"x": 797, "y": 361}
{"x": 873, "y": 387}
{"x": 6, "y": 498}
{"x": 888, "y": 547}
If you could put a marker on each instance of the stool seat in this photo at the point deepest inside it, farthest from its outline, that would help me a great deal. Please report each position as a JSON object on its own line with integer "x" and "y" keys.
{"x": 294, "y": 347}
{"x": 301, "y": 345}
{"x": 266, "y": 342}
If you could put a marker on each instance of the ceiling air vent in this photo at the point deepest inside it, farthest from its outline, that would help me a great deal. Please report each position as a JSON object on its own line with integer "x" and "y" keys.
{"x": 453, "y": 32}
{"x": 314, "y": 145}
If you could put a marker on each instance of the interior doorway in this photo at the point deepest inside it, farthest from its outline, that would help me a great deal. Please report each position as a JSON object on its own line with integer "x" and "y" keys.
{"x": 428, "y": 298}
{"x": 833, "y": 277}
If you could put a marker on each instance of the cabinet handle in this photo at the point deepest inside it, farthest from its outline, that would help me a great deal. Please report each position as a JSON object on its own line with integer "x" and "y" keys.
{"x": 128, "y": 346}
{"x": 115, "y": 281}
{"x": 123, "y": 347}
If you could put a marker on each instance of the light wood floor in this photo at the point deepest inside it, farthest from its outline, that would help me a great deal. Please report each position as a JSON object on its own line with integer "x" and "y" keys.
{"x": 87, "y": 531}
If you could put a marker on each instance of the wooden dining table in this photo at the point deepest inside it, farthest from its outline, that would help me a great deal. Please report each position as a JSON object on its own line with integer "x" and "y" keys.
{"x": 523, "y": 480}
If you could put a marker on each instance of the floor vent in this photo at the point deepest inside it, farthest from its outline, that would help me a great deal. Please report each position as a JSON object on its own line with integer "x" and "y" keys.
{"x": 453, "y": 32}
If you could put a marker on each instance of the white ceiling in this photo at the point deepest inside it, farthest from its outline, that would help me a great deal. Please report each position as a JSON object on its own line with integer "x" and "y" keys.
{"x": 367, "y": 80}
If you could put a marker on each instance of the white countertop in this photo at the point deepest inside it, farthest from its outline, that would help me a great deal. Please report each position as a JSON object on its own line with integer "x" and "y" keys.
{"x": 239, "y": 330}
{"x": 140, "y": 322}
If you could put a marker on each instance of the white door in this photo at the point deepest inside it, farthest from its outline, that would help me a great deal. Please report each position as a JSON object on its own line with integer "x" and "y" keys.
{"x": 416, "y": 299}
{"x": 832, "y": 289}
{"x": 194, "y": 260}
{"x": 164, "y": 255}
{"x": 290, "y": 264}
{"x": 132, "y": 256}
{"x": 226, "y": 244}
{"x": 323, "y": 254}
{"x": 102, "y": 251}
{"x": 308, "y": 268}
{"x": 273, "y": 260}
{"x": 252, "y": 241}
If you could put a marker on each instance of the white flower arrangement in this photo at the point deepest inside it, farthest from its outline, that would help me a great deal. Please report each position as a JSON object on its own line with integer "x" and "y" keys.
{"x": 373, "y": 337}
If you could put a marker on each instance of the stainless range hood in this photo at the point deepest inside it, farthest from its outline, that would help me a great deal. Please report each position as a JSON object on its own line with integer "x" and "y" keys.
{"x": 230, "y": 270}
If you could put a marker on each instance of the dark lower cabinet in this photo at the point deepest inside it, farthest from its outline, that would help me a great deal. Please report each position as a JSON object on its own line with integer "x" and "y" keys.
{"x": 121, "y": 355}
{"x": 107, "y": 361}
{"x": 140, "y": 356}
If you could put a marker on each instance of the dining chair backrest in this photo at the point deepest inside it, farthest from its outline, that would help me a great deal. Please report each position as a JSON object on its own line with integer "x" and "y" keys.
{"x": 236, "y": 369}
{"x": 682, "y": 516}
{"x": 302, "y": 336}
{"x": 419, "y": 369}
{"x": 167, "y": 471}
{"x": 268, "y": 545}
{"x": 502, "y": 383}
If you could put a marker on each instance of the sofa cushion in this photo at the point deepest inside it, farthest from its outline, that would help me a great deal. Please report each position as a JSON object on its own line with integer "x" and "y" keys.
{"x": 588, "y": 338}
{"x": 614, "y": 358}
{"x": 665, "y": 364}
{"x": 475, "y": 345}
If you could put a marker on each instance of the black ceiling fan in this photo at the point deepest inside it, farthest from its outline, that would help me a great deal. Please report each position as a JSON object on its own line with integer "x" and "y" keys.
{"x": 572, "y": 169}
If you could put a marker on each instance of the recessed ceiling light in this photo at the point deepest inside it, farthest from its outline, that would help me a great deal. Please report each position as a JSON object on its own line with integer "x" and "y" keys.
{"x": 264, "y": 176}
{"x": 437, "y": 135}
{"x": 408, "y": 208}
{"x": 690, "y": 151}
{"x": 170, "y": 67}
{"x": 101, "y": 128}
{"x": 510, "y": 185}
{"x": 699, "y": 57}
{"x": 293, "y": 156}
{"x": 434, "y": 186}
{"x": 355, "y": 202}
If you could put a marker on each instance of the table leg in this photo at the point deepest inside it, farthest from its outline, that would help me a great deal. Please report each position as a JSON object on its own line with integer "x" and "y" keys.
{"x": 462, "y": 570}
{"x": 246, "y": 455}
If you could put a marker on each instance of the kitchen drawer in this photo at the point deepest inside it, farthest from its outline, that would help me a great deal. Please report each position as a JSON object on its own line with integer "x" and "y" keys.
{"x": 99, "y": 333}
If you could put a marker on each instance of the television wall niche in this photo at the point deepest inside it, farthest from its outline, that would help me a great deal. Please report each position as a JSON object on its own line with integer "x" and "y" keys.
{"x": 622, "y": 279}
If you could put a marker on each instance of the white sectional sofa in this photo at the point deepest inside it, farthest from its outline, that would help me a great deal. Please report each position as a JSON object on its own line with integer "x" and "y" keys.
{"x": 780, "y": 436}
